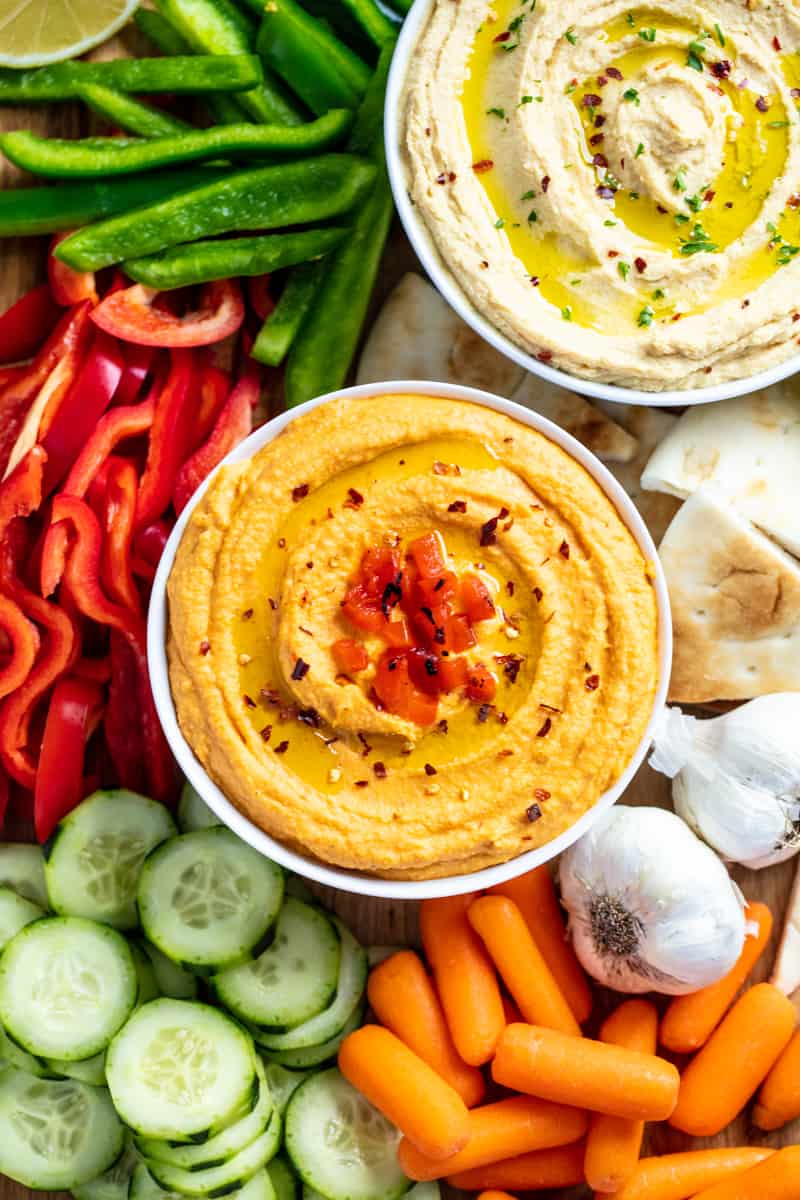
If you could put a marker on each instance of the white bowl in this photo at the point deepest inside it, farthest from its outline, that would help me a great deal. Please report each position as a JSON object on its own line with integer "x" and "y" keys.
{"x": 446, "y": 283}
{"x": 353, "y": 881}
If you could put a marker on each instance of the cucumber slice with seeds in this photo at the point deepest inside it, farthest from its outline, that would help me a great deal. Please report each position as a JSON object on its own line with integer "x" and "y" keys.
{"x": 95, "y": 856}
{"x": 113, "y": 1184}
{"x": 282, "y": 1083}
{"x": 144, "y": 1187}
{"x": 339, "y": 1144}
{"x": 221, "y": 1148}
{"x": 90, "y": 1070}
{"x": 181, "y": 1070}
{"x": 227, "y": 1177}
{"x": 207, "y": 900}
{"x": 56, "y": 1133}
{"x": 283, "y": 1178}
{"x": 15, "y": 913}
{"x": 293, "y": 980}
{"x": 307, "y": 1057}
{"x": 67, "y": 985}
{"x": 22, "y": 869}
{"x": 172, "y": 980}
{"x": 193, "y": 812}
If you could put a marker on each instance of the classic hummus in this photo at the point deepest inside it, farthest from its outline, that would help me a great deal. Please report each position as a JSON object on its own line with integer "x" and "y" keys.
{"x": 616, "y": 188}
{"x": 411, "y": 636}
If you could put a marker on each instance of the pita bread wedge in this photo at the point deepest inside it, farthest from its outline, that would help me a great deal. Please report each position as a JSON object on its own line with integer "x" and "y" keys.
{"x": 735, "y": 599}
{"x": 749, "y": 447}
{"x": 418, "y": 336}
{"x": 591, "y": 426}
{"x": 786, "y": 972}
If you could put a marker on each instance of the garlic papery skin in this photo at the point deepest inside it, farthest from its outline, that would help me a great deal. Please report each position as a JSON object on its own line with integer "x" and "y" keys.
{"x": 651, "y": 908}
{"x": 736, "y": 778}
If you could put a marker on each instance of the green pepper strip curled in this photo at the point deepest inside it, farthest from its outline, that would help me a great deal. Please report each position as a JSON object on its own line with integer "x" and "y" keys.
{"x": 201, "y": 262}
{"x": 315, "y": 64}
{"x": 218, "y": 27}
{"x": 91, "y": 158}
{"x": 129, "y": 114}
{"x": 325, "y": 345}
{"x": 295, "y": 193}
{"x": 281, "y": 326}
{"x": 29, "y": 211}
{"x": 61, "y": 81}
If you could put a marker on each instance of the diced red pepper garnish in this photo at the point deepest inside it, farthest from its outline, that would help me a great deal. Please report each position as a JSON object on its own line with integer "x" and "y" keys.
{"x": 481, "y": 683}
{"x": 453, "y": 673}
{"x": 475, "y": 599}
{"x": 438, "y": 591}
{"x": 459, "y": 634}
{"x": 428, "y": 555}
{"x": 397, "y": 633}
{"x": 349, "y": 655}
{"x": 398, "y": 694}
{"x": 133, "y": 316}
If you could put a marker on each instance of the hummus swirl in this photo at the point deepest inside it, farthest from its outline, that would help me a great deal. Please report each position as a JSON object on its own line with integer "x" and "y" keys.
{"x": 617, "y": 189}
{"x": 307, "y": 752}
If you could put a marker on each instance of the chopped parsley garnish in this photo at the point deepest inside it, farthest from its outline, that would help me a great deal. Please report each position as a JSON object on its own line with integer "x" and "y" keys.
{"x": 630, "y": 20}
{"x": 528, "y": 195}
{"x": 679, "y": 182}
{"x": 499, "y": 223}
{"x": 659, "y": 294}
{"x": 698, "y": 242}
{"x": 681, "y": 219}
{"x": 624, "y": 269}
{"x": 694, "y": 202}
{"x": 513, "y": 27}
{"x": 525, "y": 100}
{"x": 570, "y": 88}
{"x": 778, "y": 124}
{"x": 496, "y": 112}
{"x": 571, "y": 36}
{"x": 631, "y": 95}
{"x": 566, "y": 312}
{"x": 639, "y": 150}
{"x": 786, "y": 253}
{"x": 697, "y": 51}
{"x": 645, "y": 318}
{"x": 633, "y": 195}
{"x": 720, "y": 34}
{"x": 648, "y": 35}
{"x": 610, "y": 224}
{"x": 533, "y": 216}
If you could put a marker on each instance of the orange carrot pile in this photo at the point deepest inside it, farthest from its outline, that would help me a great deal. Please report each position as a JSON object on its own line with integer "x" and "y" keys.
{"x": 776, "y": 1178}
{"x": 677, "y": 1176}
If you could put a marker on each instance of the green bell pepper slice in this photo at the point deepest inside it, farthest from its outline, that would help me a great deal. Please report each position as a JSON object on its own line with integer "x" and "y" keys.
{"x": 372, "y": 20}
{"x": 202, "y": 73}
{"x": 130, "y": 114}
{"x": 281, "y": 326}
{"x": 317, "y": 66}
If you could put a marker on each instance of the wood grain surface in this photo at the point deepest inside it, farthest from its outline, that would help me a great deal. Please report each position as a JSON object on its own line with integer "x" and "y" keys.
{"x": 22, "y": 264}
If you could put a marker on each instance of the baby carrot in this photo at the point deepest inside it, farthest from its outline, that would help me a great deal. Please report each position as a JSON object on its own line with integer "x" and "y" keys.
{"x": 493, "y": 1195}
{"x": 534, "y": 1172}
{"x": 511, "y": 1013}
{"x": 779, "y": 1098}
{"x": 690, "y": 1020}
{"x": 465, "y": 978}
{"x": 500, "y": 924}
{"x": 738, "y": 1056}
{"x": 678, "y": 1176}
{"x": 615, "y": 1143}
{"x": 404, "y": 999}
{"x": 406, "y": 1090}
{"x": 578, "y": 1071}
{"x": 498, "y": 1131}
{"x": 535, "y": 897}
{"x": 777, "y": 1178}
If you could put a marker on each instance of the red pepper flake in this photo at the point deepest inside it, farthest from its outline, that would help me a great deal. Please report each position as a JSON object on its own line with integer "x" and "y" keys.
{"x": 282, "y": 543}
{"x": 204, "y": 648}
{"x": 661, "y": 209}
{"x": 591, "y": 100}
{"x": 545, "y": 182}
{"x": 281, "y": 747}
{"x": 545, "y": 356}
{"x": 535, "y": 280}
{"x": 380, "y": 770}
{"x": 549, "y": 707}
{"x": 794, "y": 200}
{"x": 362, "y": 783}
{"x": 443, "y": 726}
{"x": 354, "y": 500}
{"x": 600, "y": 160}
{"x": 272, "y": 603}
{"x": 300, "y": 492}
{"x": 563, "y": 549}
{"x": 795, "y": 316}
{"x": 709, "y": 195}
{"x": 266, "y": 733}
{"x": 300, "y": 670}
{"x": 511, "y": 664}
{"x": 795, "y": 93}
{"x": 599, "y": 121}
{"x": 510, "y": 587}
{"x": 446, "y": 177}
{"x": 613, "y": 254}
{"x": 249, "y": 702}
{"x": 546, "y": 727}
{"x": 502, "y": 718}
{"x": 503, "y": 37}
{"x": 482, "y": 166}
{"x": 533, "y": 813}
{"x": 427, "y": 131}
{"x": 538, "y": 593}
{"x": 442, "y": 468}
{"x": 721, "y": 69}
{"x": 430, "y": 769}
{"x": 602, "y": 80}
{"x": 488, "y": 534}
{"x": 762, "y": 104}
{"x": 677, "y": 316}
{"x": 614, "y": 72}
{"x": 596, "y": 139}
{"x": 541, "y": 794}
{"x": 776, "y": 44}
{"x": 247, "y": 614}
{"x": 605, "y": 192}
{"x": 640, "y": 264}
{"x": 592, "y": 683}
{"x": 745, "y": 304}
{"x": 458, "y": 506}
{"x": 483, "y": 713}
{"x": 367, "y": 748}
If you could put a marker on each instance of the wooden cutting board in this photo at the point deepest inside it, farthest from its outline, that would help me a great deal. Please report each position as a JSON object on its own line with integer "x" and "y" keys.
{"x": 375, "y": 922}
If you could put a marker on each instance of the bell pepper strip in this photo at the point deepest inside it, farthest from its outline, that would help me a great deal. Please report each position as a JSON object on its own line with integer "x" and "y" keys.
{"x": 26, "y": 324}
{"x": 201, "y": 262}
{"x": 67, "y": 286}
{"x": 170, "y": 438}
{"x": 118, "y": 514}
{"x": 20, "y": 495}
{"x": 197, "y": 73}
{"x": 293, "y": 193}
{"x": 138, "y": 361}
{"x": 280, "y": 328}
{"x": 219, "y": 27}
{"x": 11, "y": 374}
{"x": 215, "y": 386}
{"x": 134, "y": 116}
{"x": 321, "y": 69}
{"x": 259, "y": 296}
{"x": 148, "y": 546}
{"x": 71, "y": 715}
{"x": 121, "y": 723}
{"x": 82, "y": 585}
{"x": 5, "y": 793}
{"x": 95, "y": 670}
{"x": 131, "y": 316}
{"x": 233, "y": 425}
{"x": 25, "y": 212}
{"x": 374, "y": 22}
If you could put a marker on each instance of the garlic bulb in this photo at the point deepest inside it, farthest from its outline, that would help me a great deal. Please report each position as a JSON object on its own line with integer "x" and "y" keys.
{"x": 651, "y": 908}
{"x": 736, "y": 778}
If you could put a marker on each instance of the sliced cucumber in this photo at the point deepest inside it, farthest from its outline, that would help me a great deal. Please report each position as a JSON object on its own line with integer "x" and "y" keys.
{"x": 283, "y": 1178}
{"x": 56, "y": 1133}
{"x": 349, "y": 990}
{"x": 144, "y": 1187}
{"x": 316, "y": 1056}
{"x": 15, "y": 913}
{"x": 341, "y": 1145}
{"x": 227, "y": 1177}
{"x": 95, "y": 856}
{"x": 207, "y": 900}
{"x": 181, "y": 1070}
{"x": 172, "y": 980}
{"x": 90, "y": 1070}
{"x": 193, "y": 812}
{"x": 145, "y": 974}
{"x": 22, "y": 868}
{"x": 294, "y": 979}
{"x": 13, "y": 1055}
{"x": 219, "y": 1149}
{"x": 297, "y": 887}
{"x": 113, "y": 1184}
{"x": 66, "y": 986}
{"x": 282, "y": 1083}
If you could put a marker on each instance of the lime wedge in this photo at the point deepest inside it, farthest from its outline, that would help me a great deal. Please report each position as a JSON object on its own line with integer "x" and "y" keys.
{"x": 36, "y": 32}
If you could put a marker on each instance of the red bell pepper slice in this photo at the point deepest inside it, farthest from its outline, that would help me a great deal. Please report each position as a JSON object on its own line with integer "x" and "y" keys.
{"x": 350, "y": 656}
{"x": 25, "y": 325}
{"x": 258, "y": 294}
{"x": 122, "y": 726}
{"x": 5, "y": 791}
{"x": 119, "y": 511}
{"x": 138, "y": 364}
{"x": 67, "y": 286}
{"x": 215, "y": 387}
{"x": 20, "y": 495}
{"x": 95, "y": 670}
{"x": 170, "y": 438}
{"x": 132, "y": 316}
{"x": 481, "y": 683}
{"x": 71, "y": 716}
{"x": 233, "y": 424}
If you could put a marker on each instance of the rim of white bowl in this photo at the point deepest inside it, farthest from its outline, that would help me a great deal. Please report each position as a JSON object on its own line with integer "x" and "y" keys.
{"x": 340, "y": 877}
{"x": 445, "y": 282}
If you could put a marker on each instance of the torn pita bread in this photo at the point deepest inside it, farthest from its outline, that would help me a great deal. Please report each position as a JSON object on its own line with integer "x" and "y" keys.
{"x": 786, "y": 972}
{"x": 589, "y": 425}
{"x": 418, "y": 336}
{"x": 750, "y": 448}
{"x": 735, "y": 599}
{"x": 649, "y": 426}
